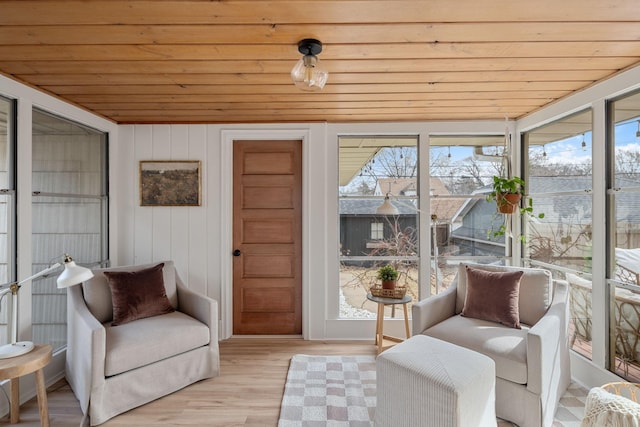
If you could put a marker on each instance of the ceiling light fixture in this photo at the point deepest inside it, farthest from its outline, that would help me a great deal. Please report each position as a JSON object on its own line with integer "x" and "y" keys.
{"x": 308, "y": 74}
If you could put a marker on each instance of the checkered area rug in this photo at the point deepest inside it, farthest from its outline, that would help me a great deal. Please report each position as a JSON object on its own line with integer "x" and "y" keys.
{"x": 340, "y": 391}
{"x": 329, "y": 391}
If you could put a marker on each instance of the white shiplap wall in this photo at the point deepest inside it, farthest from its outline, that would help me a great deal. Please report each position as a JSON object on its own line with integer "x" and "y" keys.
{"x": 198, "y": 239}
{"x": 182, "y": 234}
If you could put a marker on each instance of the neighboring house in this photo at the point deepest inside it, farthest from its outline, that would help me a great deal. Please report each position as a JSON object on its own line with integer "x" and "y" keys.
{"x": 363, "y": 232}
{"x": 396, "y": 187}
{"x": 562, "y": 215}
{"x": 565, "y": 217}
{"x": 475, "y": 217}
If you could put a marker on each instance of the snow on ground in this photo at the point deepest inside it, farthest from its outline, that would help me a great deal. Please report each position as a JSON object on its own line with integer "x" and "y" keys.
{"x": 349, "y": 311}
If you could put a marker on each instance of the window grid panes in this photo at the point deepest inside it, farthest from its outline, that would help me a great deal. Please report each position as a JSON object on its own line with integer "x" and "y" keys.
{"x": 370, "y": 168}
{"x": 377, "y": 231}
{"x": 624, "y": 266}
{"x": 463, "y": 223}
{"x": 7, "y": 208}
{"x": 559, "y": 183}
{"x": 69, "y": 212}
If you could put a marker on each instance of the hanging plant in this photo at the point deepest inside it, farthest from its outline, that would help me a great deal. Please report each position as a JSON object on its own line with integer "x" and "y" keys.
{"x": 507, "y": 193}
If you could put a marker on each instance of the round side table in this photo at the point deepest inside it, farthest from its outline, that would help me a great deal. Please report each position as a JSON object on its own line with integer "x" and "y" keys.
{"x": 382, "y": 302}
{"x": 15, "y": 367}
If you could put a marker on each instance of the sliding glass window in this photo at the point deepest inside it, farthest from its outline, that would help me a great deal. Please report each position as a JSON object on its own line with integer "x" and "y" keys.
{"x": 7, "y": 207}
{"x": 371, "y": 169}
{"x": 69, "y": 212}
{"x": 624, "y": 238}
{"x": 463, "y": 223}
{"x": 559, "y": 184}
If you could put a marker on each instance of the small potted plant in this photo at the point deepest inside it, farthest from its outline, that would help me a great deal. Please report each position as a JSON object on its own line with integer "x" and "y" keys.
{"x": 388, "y": 275}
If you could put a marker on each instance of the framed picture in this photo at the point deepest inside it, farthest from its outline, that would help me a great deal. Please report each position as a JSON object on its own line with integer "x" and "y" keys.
{"x": 170, "y": 183}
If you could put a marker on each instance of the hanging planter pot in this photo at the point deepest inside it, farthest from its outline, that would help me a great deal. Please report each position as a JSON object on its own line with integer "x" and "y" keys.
{"x": 508, "y": 203}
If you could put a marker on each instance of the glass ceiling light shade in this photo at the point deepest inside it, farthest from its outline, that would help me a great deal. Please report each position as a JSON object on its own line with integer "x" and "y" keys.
{"x": 308, "y": 73}
{"x": 72, "y": 275}
{"x": 387, "y": 208}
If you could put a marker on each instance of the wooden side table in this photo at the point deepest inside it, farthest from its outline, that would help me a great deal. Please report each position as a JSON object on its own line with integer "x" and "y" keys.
{"x": 382, "y": 302}
{"x": 15, "y": 367}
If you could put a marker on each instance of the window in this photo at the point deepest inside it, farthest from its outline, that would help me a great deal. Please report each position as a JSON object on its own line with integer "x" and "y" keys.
{"x": 69, "y": 212}
{"x": 461, "y": 170}
{"x": 377, "y": 231}
{"x": 7, "y": 206}
{"x": 624, "y": 237}
{"x": 372, "y": 168}
{"x": 559, "y": 183}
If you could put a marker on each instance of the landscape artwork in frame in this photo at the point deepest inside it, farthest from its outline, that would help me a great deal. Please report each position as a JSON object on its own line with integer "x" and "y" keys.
{"x": 169, "y": 183}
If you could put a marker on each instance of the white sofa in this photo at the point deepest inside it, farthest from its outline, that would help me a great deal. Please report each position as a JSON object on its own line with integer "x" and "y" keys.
{"x": 532, "y": 363}
{"x": 113, "y": 369}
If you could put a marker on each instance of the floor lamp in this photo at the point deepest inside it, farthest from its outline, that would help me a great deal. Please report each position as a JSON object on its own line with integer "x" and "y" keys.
{"x": 72, "y": 275}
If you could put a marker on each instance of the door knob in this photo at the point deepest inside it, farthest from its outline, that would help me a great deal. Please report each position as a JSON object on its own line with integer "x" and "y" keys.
{"x": 237, "y": 252}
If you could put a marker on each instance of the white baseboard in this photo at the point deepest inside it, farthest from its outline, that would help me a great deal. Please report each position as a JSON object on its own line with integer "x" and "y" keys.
{"x": 587, "y": 374}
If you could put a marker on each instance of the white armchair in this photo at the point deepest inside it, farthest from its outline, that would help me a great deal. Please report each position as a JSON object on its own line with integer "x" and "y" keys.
{"x": 532, "y": 363}
{"x": 113, "y": 369}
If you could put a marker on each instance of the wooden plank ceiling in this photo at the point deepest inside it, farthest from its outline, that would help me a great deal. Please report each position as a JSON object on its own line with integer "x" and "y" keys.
{"x": 229, "y": 61}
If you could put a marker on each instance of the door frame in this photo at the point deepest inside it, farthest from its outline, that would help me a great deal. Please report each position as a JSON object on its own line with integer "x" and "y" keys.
{"x": 226, "y": 219}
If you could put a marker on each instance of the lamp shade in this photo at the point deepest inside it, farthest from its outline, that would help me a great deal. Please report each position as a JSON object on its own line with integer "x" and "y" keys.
{"x": 308, "y": 74}
{"x": 387, "y": 208}
{"x": 73, "y": 274}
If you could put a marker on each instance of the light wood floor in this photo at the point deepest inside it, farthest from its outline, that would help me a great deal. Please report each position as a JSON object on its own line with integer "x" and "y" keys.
{"x": 247, "y": 393}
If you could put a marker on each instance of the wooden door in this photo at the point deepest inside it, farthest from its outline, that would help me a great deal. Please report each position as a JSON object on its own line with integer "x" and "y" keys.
{"x": 267, "y": 237}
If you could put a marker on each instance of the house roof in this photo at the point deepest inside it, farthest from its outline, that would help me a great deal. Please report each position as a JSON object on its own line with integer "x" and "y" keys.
{"x": 366, "y": 206}
{"x": 177, "y": 61}
{"x": 565, "y": 208}
{"x": 444, "y": 208}
{"x": 396, "y": 186}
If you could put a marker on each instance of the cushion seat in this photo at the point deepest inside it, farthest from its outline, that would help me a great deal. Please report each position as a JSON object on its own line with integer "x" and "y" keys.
{"x": 532, "y": 363}
{"x": 146, "y": 341}
{"x": 166, "y": 338}
{"x": 506, "y": 346}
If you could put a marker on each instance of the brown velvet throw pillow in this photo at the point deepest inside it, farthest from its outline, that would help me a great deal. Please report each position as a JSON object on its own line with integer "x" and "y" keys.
{"x": 137, "y": 294}
{"x": 493, "y": 296}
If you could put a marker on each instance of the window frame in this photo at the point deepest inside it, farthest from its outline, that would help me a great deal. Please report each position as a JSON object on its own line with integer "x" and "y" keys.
{"x": 101, "y": 197}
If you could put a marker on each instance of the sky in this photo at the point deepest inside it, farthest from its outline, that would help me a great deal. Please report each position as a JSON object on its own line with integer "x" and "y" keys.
{"x": 566, "y": 151}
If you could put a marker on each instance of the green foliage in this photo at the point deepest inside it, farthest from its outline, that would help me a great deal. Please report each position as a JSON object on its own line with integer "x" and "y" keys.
{"x": 513, "y": 185}
{"x": 387, "y": 272}
{"x": 501, "y": 185}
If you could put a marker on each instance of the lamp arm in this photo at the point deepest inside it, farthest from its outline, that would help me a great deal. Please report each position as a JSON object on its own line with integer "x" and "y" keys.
{"x": 7, "y": 286}
{"x": 42, "y": 273}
